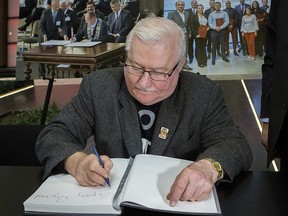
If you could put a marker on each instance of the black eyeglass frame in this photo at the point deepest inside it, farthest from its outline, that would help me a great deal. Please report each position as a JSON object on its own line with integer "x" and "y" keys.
{"x": 155, "y": 72}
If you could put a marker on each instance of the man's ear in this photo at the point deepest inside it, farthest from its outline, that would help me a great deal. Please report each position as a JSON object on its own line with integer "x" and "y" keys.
{"x": 182, "y": 62}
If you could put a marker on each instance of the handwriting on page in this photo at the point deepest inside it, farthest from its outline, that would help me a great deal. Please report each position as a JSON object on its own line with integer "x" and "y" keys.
{"x": 61, "y": 197}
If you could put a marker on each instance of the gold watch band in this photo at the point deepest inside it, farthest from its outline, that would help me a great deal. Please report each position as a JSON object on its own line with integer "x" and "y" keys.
{"x": 217, "y": 166}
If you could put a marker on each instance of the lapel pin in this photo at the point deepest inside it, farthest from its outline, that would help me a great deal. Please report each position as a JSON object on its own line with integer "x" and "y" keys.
{"x": 163, "y": 133}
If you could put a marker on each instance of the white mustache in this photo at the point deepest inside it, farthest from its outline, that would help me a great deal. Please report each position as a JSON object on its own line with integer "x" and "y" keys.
{"x": 146, "y": 90}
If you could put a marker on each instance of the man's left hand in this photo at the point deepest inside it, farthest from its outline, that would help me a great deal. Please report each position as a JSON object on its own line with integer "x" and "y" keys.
{"x": 194, "y": 183}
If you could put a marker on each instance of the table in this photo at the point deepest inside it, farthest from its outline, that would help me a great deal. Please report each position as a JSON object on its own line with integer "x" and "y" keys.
{"x": 251, "y": 194}
{"x": 84, "y": 56}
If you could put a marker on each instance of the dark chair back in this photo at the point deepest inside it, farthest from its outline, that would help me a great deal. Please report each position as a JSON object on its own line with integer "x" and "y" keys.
{"x": 17, "y": 145}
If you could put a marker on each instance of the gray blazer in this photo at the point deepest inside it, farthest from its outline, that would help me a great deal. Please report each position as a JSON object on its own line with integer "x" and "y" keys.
{"x": 49, "y": 28}
{"x": 174, "y": 15}
{"x": 195, "y": 114}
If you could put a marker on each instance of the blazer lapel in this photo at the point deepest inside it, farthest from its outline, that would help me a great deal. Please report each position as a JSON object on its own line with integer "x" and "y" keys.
{"x": 130, "y": 123}
{"x": 168, "y": 118}
{"x": 180, "y": 18}
{"x": 186, "y": 14}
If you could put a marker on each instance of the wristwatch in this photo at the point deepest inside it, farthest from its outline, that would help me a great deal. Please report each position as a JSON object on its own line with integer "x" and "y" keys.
{"x": 217, "y": 166}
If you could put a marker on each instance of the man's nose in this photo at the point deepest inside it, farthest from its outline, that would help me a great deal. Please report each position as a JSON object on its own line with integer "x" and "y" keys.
{"x": 145, "y": 80}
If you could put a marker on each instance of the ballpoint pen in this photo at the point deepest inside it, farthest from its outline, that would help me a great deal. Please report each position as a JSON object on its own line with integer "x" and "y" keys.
{"x": 101, "y": 163}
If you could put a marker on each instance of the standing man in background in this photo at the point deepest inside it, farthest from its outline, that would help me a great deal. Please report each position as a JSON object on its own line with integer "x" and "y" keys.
{"x": 218, "y": 21}
{"x": 181, "y": 18}
{"x": 241, "y": 9}
{"x": 274, "y": 101}
{"x": 207, "y": 13}
{"x": 71, "y": 19}
{"x": 231, "y": 29}
{"x": 265, "y": 6}
{"x": 52, "y": 27}
{"x": 190, "y": 48}
{"x": 52, "y": 23}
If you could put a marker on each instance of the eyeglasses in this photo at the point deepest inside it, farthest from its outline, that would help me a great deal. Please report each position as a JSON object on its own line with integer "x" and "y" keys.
{"x": 154, "y": 75}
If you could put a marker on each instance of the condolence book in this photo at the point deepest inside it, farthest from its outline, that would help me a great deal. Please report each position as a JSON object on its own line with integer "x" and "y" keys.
{"x": 142, "y": 182}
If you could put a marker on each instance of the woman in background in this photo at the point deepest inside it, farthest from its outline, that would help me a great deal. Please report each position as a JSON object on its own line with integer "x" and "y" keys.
{"x": 249, "y": 28}
{"x": 197, "y": 20}
{"x": 260, "y": 39}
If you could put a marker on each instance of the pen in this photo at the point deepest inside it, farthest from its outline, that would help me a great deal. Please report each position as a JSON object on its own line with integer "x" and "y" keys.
{"x": 101, "y": 163}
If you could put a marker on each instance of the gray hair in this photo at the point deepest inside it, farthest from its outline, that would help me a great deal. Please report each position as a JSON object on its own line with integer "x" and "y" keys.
{"x": 155, "y": 30}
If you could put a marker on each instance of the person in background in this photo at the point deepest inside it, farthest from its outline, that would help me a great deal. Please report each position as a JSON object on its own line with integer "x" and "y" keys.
{"x": 274, "y": 99}
{"x": 120, "y": 23}
{"x": 218, "y": 21}
{"x": 231, "y": 28}
{"x": 93, "y": 30}
{"x": 36, "y": 13}
{"x": 52, "y": 27}
{"x": 26, "y": 7}
{"x": 132, "y": 6}
{"x": 150, "y": 95}
{"x": 265, "y": 6}
{"x": 104, "y": 7}
{"x": 207, "y": 13}
{"x": 70, "y": 18}
{"x": 90, "y": 6}
{"x": 182, "y": 19}
{"x": 52, "y": 23}
{"x": 241, "y": 9}
{"x": 200, "y": 19}
{"x": 260, "y": 39}
{"x": 249, "y": 28}
{"x": 192, "y": 11}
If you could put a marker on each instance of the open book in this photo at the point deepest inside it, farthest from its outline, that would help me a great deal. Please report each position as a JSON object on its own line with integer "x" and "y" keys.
{"x": 142, "y": 182}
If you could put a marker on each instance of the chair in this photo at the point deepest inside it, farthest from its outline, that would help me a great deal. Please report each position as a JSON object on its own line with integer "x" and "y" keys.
{"x": 34, "y": 31}
{"x": 17, "y": 147}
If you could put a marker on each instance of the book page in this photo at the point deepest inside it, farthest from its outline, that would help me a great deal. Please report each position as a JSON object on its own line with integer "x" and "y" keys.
{"x": 62, "y": 193}
{"x": 150, "y": 180}
{"x": 83, "y": 44}
{"x": 55, "y": 43}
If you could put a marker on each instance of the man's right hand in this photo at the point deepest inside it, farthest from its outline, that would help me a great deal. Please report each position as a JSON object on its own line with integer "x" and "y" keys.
{"x": 45, "y": 38}
{"x": 87, "y": 169}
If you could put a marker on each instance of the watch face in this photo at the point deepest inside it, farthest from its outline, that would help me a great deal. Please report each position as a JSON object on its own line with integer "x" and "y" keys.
{"x": 217, "y": 166}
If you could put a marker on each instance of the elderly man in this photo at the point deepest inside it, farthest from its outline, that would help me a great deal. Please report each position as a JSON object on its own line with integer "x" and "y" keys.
{"x": 126, "y": 109}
